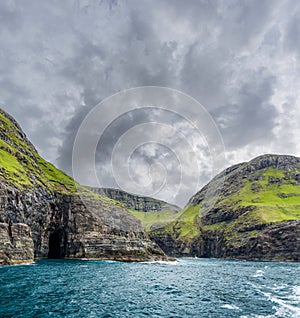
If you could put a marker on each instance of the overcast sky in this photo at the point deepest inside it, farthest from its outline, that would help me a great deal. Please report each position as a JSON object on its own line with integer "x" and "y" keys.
{"x": 239, "y": 59}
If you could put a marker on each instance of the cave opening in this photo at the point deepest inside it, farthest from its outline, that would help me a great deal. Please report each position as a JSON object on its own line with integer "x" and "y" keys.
{"x": 55, "y": 245}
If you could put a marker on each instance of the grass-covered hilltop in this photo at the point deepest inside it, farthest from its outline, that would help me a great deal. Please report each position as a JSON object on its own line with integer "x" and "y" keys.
{"x": 249, "y": 211}
{"x": 255, "y": 214}
{"x": 42, "y": 214}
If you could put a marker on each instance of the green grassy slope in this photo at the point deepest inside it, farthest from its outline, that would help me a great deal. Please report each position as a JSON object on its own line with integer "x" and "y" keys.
{"x": 185, "y": 225}
{"x": 21, "y": 165}
{"x": 154, "y": 220}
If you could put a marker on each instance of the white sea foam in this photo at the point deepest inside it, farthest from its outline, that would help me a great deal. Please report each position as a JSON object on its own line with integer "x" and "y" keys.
{"x": 295, "y": 311}
{"x": 230, "y": 306}
{"x": 296, "y": 290}
{"x": 162, "y": 262}
{"x": 110, "y": 261}
{"x": 259, "y": 273}
{"x": 24, "y": 264}
{"x": 283, "y": 308}
{"x": 295, "y": 296}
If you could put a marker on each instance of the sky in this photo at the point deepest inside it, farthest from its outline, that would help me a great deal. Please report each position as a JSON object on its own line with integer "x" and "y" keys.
{"x": 238, "y": 59}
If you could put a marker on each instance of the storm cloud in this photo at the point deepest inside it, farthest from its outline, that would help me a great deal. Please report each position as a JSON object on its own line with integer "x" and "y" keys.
{"x": 239, "y": 59}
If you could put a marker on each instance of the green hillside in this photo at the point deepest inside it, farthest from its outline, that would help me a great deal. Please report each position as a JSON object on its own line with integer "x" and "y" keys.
{"x": 253, "y": 195}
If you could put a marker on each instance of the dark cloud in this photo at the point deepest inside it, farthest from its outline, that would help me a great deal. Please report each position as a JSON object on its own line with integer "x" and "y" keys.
{"x": 240, "y": 59}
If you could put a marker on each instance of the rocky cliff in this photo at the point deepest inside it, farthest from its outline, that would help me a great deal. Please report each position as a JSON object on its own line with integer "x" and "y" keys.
{"x": 249, "y": 211}
{"x": 42, "y": 214}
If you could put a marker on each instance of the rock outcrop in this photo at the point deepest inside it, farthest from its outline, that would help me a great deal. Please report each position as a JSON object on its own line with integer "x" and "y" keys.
{"x": 249, "y": 211}
{"x": 42, "y": 214}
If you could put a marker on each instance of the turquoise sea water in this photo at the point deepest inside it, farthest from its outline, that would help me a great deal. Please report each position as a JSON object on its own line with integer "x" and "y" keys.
{"x": 187, "y": 288}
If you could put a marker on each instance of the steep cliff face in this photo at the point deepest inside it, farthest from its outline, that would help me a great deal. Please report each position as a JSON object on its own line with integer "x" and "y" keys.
{"x": 255, "y": 215}
{"x": 42, "y": 214}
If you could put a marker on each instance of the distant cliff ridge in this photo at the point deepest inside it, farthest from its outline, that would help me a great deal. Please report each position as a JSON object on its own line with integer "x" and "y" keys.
{"x": 136, "y": 202}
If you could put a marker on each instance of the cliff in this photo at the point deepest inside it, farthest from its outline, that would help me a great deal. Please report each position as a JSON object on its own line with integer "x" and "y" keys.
{"x": 249, "y": 211}
{"x": 254, "y": 215}
{"x": 42, "y": 214}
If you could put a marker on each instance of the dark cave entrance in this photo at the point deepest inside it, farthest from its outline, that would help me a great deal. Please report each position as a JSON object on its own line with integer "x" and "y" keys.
{"x": 55, "y": 245}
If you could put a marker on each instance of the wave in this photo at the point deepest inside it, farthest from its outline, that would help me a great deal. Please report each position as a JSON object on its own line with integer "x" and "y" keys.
{"x": 285, "y": 307}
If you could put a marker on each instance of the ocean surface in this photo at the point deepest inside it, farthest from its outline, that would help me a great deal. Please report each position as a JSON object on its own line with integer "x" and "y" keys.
{"x": 187, "y": 288}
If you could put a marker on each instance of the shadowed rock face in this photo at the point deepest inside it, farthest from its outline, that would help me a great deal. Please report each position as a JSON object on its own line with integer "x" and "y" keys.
{"x": 274, "y": 242}
{"x": 38, "y": 224}
{"x": 256, "y": 214}
{"x": 42, "y": 214}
